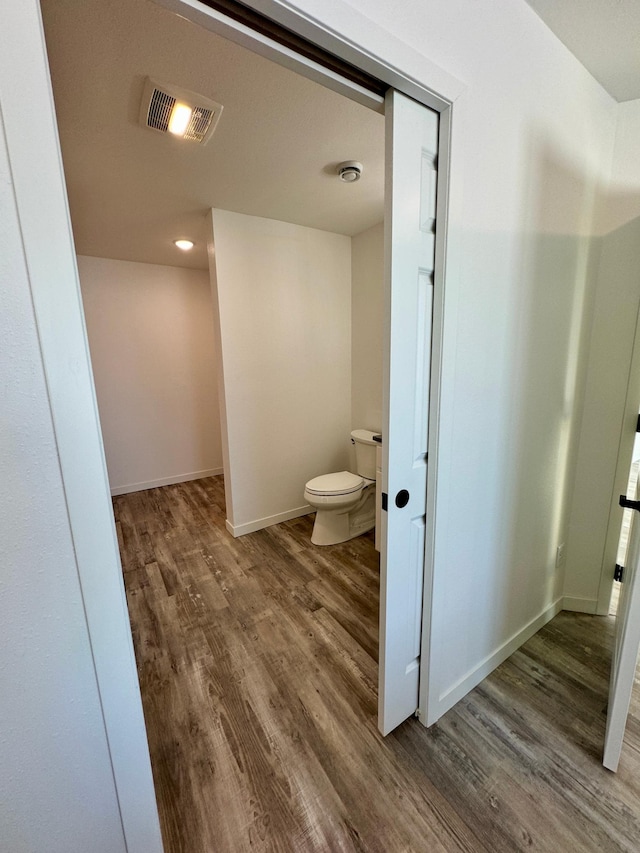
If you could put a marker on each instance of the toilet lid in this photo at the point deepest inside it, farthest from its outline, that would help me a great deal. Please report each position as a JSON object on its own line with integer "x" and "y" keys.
{"x": 340, "y": 483}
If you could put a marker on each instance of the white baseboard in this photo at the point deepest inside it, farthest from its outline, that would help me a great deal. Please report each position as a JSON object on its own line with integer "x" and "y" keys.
{"x": 259, "y": 523}
{"x": 580, "y": 605}
{"x": 485, "y": 667}
{"x": 164, "y": 481}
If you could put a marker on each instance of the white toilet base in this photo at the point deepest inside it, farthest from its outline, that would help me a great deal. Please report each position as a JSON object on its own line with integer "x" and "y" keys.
{"x": 334, "y": 526}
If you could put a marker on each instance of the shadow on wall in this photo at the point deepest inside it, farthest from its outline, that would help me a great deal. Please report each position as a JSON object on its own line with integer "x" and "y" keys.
{"x": 548, "y": 301}
{"x": 609, "y": 417}
{"x": 150, "y": 334}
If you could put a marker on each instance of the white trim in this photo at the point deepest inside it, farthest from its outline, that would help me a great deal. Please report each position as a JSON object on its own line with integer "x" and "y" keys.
{"x": 165, "y": 481}
{"x": 435, "y": 407}
{"x": 260, "y": 523}
{"x": 443, "y": 88}
{"x": 580, "y": 605}
{"x": 41, "y": 199}
{"x": 222, "y": 25}
{"x": 441, "y": 91}
{"x": 485, "y": 667}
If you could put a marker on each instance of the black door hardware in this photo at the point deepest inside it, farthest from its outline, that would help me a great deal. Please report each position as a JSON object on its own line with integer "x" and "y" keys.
{"x": 402, "y": 498}
{"x": 629, "y": 504}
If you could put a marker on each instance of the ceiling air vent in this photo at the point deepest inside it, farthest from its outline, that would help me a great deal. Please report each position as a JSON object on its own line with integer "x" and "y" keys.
{"x": 169, "y": 109}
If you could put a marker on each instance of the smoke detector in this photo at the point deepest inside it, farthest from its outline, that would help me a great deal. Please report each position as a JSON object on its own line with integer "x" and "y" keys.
{"x": 350, "y": 171}
{"x": 170, "y": 109}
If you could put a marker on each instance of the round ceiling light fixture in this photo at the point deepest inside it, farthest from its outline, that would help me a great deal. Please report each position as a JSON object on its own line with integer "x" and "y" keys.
{"x": 185, "y": 245}
{"x": 349, "y": 171}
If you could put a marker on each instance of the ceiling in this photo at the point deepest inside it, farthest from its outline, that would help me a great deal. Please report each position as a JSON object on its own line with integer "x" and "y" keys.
{"x": 132, "y": 191}
{"x": 604, "y": 35}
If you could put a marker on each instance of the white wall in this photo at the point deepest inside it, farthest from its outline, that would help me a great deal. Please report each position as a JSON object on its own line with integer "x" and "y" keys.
{"x": 609, "y": 416}
{"x": 67, "y": 668}
{"x": 284, "y": 297}
{"x": 623, "y": 196}
{"x": 531, "y": 144}
{"x": 151, "y": 334}
{"x": 56, "y": 785}
{"x": 367, "y": 317}
{"x": 531, "y": 133}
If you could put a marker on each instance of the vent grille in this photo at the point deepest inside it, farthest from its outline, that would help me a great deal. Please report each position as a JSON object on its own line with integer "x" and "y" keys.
{"x": 160, "y": 110}
{"x": 159, "y": 99}
{"x": 199, "y": 124}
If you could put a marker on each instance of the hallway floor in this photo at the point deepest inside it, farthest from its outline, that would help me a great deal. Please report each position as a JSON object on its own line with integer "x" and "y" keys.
{"x": 257, "y": 664}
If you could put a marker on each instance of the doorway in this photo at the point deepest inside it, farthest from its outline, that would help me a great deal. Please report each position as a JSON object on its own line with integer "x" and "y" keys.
{"x": 438, "y": 314}
{"x": 623, "y": 540}
{"x": 172, "y": 581}
{"x": 81, "y": 459}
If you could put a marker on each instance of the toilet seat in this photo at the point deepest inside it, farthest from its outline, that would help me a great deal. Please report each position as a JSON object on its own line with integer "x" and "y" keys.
{"x": 340, "y": 483}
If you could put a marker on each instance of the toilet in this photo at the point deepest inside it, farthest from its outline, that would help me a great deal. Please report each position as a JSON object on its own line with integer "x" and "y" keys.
{"x": 345, "y": 503}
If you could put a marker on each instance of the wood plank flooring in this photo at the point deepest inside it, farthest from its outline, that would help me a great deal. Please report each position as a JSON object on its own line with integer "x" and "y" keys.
{"x": 257, "y": 664}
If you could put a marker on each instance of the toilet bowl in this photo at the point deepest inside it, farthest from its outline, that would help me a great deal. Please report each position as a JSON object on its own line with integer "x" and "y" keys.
{"x": 345, "y": 502}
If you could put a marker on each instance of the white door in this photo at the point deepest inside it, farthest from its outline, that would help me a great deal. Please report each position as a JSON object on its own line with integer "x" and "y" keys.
{"x": 627, "y": 644}
{"x": 411, "y": 163}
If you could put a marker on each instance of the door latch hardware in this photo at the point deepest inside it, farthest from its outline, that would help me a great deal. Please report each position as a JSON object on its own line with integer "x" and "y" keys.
{"x": 384, "y": 501}
{"x": 402, "y": 498}
{"x": 627, "y": 503}
{"x": 618, "y": 572}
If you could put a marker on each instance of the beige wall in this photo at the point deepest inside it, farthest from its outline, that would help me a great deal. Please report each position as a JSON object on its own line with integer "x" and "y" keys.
{"x": 284, "y": 297}
{"x": 150, "y": 332}
{"x": 367, "y": 315}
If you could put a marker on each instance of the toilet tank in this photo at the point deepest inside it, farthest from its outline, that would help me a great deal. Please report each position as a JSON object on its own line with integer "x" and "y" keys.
{"x": 365, "y": 452}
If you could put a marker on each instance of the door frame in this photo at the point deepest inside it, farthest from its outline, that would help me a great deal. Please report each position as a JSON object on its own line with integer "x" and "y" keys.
{"x": 40, "y": 194}
{"x": 428, "y": 84}
{"x": 628, "y": 424}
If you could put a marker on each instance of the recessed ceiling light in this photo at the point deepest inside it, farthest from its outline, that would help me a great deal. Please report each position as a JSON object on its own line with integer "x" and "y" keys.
{"x": 185, "y": 245}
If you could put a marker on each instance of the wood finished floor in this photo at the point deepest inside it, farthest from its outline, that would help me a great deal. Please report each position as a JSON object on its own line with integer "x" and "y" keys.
{"x": 257, "y": 663}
